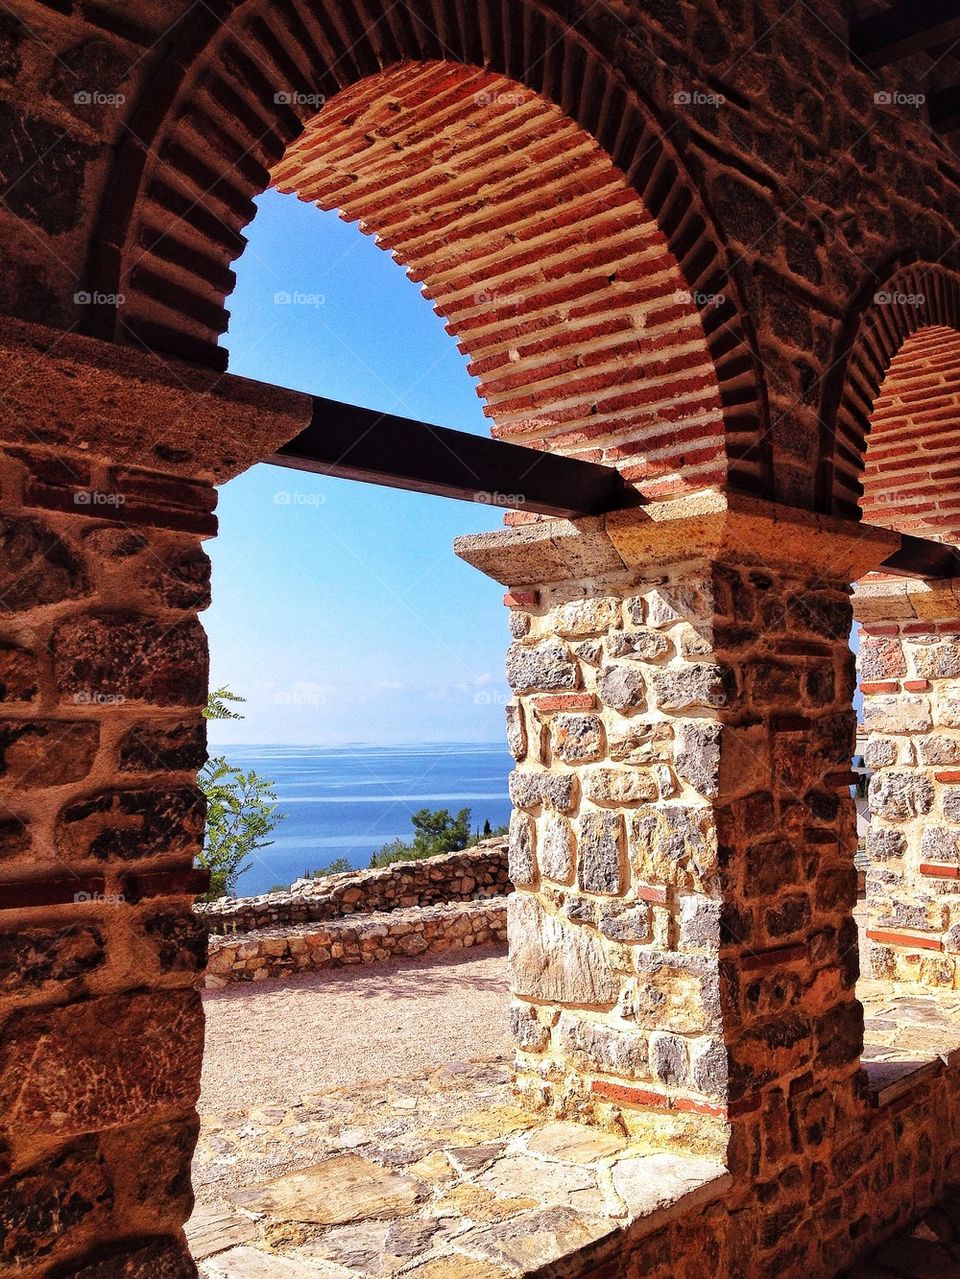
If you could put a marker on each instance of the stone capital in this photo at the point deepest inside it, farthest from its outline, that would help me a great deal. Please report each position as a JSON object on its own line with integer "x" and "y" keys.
{"x": 731, "y": 528}
{"x": 135, "y": 408}
{"x": 881, "y": 597}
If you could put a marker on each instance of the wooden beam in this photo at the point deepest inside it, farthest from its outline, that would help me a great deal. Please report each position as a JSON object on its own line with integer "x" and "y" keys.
{"x": 944, "y": 107}
{"x": 905, "y": 28}
{"x": 354, "y": 443}
{"x": 923, "y": 558}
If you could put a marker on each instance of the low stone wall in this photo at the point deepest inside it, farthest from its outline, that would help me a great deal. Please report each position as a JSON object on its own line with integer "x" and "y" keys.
{"x": 476, "y": 873}
{"x": 419, "y": 930}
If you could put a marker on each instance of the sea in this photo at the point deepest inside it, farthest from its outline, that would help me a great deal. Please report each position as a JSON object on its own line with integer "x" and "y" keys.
{"x": 348, "y": 801}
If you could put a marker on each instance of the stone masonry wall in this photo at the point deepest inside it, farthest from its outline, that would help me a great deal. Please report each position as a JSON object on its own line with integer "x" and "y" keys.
{"x": 103, "y": 674}
{"x": 682, "y": 944}
{"x": 421, "y": 930}
{"x": 475, "y": 873}
{"x": 909, "y": 669}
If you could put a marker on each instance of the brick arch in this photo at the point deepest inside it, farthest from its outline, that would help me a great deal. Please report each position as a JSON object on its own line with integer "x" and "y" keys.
{"x": 894, "y": 405}
{"x": 665, "y": 380}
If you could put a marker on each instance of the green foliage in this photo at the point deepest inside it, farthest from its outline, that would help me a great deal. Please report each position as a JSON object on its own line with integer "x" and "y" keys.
{"x": 433, "y": 833}
{"x": 337, "y": 867}
{"x": 241, "y": 810}
{"x": 217, "y": 707}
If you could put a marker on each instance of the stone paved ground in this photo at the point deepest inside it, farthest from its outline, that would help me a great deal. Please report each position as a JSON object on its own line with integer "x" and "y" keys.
{"x": 303, "y": 1147}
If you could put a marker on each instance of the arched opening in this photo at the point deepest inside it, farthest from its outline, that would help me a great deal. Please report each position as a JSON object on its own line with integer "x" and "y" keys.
{"x": 901, "y": 402}
{"x": 581, "y": 328}
{"x": 912, "y": 459}
{"x": 584, "y": 340}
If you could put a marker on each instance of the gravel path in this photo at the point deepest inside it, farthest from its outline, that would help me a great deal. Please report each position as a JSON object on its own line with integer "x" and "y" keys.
{"x": 277, "y": 1041}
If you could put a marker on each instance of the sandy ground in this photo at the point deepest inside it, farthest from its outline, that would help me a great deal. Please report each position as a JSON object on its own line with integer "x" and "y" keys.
{"x": 277, "y": 1041}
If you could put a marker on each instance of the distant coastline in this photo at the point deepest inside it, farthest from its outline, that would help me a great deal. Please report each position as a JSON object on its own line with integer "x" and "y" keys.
{"x": 347, "y": 801}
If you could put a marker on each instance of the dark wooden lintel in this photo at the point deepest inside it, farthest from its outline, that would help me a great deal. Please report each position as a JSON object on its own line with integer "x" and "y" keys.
{"x": 923, "y": 558}
{"x": 349, "y": 442}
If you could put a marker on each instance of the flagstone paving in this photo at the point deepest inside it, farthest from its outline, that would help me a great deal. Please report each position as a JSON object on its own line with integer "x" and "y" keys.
{"x": 441, "y": 1175}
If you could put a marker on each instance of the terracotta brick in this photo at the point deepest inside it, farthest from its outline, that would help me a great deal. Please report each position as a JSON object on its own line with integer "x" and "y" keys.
{"x": 891, "y": 938}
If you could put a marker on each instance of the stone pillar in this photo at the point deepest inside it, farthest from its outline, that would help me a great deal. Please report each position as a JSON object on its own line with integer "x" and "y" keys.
{"x": 107, "y": 462}
{"x": 103, "y": 675}
{"x": 683, "y": 950}
{"x": 909, "y": 671}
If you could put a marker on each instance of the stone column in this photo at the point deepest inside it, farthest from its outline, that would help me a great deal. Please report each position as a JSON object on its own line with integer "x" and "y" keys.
{"x": 683, "y": 950}
{"x": 909, "y": 670}
{"x": 107, "y": 463}
{"x": 103, "y": 675}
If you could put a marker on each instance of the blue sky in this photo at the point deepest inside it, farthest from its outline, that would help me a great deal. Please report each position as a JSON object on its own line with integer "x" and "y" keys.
{"x": 340, "y": 611}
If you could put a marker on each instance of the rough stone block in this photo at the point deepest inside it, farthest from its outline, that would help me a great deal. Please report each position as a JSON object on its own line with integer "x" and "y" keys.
{"x": 593, "y": 1044}
{"x": 600, "y": 838}
{"x": 937, "y": 661}
{"x": 668, "y": 1058}
{"x": 153, "y": 748}
{"x": 19, "y": 674}
{"x": 642, "y": 646}
{"x": 699, "y": 922}
{"x": 528, "y": 788}
{"x": 42, "y": 1205}
{"x": 555, "y": 846}
{"x": 881, "y": 658}
{"x": 516, "y": 731}
{"x": 671, "y": 844}
{"x": 545, "y": 667}
{"x": 618, "y": 786}
{"x": 37, "y": 567}
{"x": 31, "y": 957}
{"x": 179, "y": 938}
{"x": 696, "y": 685}
{"x": 900, "y": 796}
{"x": 529, "y": 1033}
{"x": 553, "y": 961}
{"x": 622, "y": 687}
{"x": 102, "y": 1063}
{"x": 585, "y": 617}
{"x": 132, "y": 659}
{"x": 132, "y": 824}
{"x": 46, "y": 752}
{"x": 523, "y": 865}
{"x": 698, "y": 755}
{"x": 576, "y": 738}
{"x": 628, "y": 924}
{"x": 904, "y": 713}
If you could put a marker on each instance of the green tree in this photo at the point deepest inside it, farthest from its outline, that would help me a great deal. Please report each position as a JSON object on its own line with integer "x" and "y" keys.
{"x": 433, "y": 833}
{"x": 241, "y": 809}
